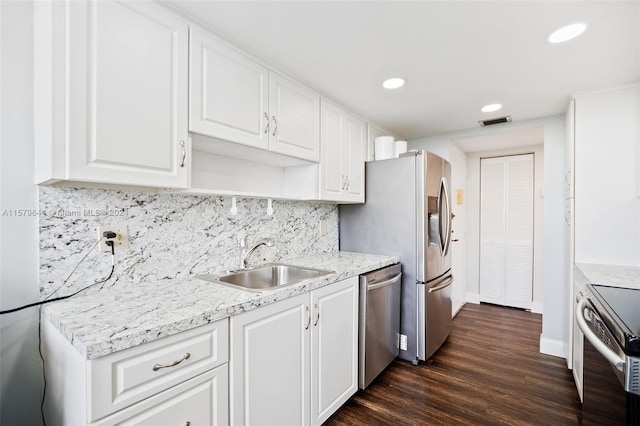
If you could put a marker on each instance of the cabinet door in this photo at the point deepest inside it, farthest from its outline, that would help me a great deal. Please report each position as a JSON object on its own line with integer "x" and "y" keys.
{"x": 334, "y": 347}
{"x": 353, "y": 149}
{"x": 202, "y": 400}
{"x": 129, "y": 376}
{"x": 229, "y": 93}
{"x": 127, "y": 75}
{"x": 295, "y": 119}
{"x": 270, "y": 364}
{"x": 332, "y": 179}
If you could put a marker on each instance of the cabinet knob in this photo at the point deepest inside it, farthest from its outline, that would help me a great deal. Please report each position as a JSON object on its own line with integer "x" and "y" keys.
{"x": 184, "y": 153}
{"x": 275, "y": 125}
{"x": 266, "y": 124}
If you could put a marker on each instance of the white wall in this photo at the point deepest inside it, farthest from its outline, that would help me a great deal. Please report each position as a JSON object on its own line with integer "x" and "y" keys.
{"x": 556, "y": 289}
{"x": 20, "y": 367}
{"x": 607, "y": 206}
{"x": 459, "y": 227}
{"x": 550, "y": 288}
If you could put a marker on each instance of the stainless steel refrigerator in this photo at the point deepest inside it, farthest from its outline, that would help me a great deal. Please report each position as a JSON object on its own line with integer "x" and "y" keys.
{"x": 407, "y": 213}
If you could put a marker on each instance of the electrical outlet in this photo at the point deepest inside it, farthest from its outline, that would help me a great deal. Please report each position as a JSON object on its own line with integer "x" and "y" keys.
{"x": 323, "y": 227}
{"x": 121, "y": 241}
{"x": 403, "y": 342}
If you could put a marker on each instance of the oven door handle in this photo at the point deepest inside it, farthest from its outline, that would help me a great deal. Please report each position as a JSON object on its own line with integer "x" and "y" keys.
{"x": 604, "y": 350}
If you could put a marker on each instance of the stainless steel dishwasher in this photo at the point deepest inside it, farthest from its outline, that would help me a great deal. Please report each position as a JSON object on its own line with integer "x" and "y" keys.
{"x": 379, "y": 321}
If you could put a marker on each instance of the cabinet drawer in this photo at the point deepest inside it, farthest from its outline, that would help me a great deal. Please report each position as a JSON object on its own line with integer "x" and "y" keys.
{"x": 199, "y": 401}
{"x": 126, "y": 377}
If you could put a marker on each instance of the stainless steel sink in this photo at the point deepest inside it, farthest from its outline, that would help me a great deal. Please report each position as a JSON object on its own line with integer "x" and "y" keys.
{"x": 266, "y": 277}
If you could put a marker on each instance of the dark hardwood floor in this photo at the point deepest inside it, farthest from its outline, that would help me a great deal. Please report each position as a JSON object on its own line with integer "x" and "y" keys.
{"x": 488, "y": 372}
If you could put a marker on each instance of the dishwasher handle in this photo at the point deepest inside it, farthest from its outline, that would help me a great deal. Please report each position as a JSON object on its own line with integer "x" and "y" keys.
{"x": 384, "y": 283}
{"x": 604, "y": 350}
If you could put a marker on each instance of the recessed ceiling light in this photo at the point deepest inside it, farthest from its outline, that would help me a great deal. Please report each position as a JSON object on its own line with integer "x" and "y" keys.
{"x": 393, "y": 83}
{"x": 567, "y": 33}
{"x": 491, "y": 108}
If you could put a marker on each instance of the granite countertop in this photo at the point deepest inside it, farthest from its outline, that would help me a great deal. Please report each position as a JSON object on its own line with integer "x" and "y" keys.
{"x": 116, "y": 319}
{"x": 610, "y": 275}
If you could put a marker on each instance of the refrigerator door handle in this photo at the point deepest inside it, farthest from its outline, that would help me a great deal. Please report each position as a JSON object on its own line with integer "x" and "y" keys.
{"x": 444, "y": 214}
{"x": 446, "y": 284}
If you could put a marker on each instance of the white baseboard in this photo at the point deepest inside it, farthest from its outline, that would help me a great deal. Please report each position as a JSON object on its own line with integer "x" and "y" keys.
{"x": 457, "y": 309}
{"x": 552, "y": 347}
{"x": 536, "y": 307}
{"x": 473, "y": 298}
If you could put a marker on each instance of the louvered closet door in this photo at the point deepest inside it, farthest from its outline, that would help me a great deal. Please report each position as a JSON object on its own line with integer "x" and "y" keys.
{"x": 506, "y": 230}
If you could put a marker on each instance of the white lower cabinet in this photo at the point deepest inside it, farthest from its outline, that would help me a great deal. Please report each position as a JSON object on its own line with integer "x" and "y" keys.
{"x": 294, "y": 362}
{"x": 181, "y": 379}
{"x": 199, "y": 401}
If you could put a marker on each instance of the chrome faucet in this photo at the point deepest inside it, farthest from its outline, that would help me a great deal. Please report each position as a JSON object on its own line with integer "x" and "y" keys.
{"x": 246, "y": 252}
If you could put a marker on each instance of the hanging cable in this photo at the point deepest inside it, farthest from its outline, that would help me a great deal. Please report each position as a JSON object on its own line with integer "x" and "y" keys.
{"x": 107, "y": 235}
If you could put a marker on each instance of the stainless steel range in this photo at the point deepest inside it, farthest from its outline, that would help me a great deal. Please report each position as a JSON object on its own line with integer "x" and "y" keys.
{"x": 609, "y": 317}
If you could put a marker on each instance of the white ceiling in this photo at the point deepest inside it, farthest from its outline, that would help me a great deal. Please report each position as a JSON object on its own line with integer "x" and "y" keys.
{"x": 501, "y": 138}
{"x": 455, "y": 55}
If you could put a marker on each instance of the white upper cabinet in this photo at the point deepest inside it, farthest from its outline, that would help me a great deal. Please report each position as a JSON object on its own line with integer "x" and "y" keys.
{"x": 229, "y": 93}
{"x": 236, "y": 99}
{"x": 111, "y": 87}
{"x": 295, "y": 119}
{"x": 344, "y": 139}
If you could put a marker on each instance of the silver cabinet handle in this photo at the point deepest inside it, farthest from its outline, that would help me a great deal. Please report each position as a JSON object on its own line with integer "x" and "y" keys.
{"x": 317, "y": 315}
{"x": 306, "y": 327}
{"x": 275, "y": 125}
{"x": 266, "y": 124}
{"x": 187, "y": 423}
{"x": 184, "y": 153}
{"x": 172, "y": 364}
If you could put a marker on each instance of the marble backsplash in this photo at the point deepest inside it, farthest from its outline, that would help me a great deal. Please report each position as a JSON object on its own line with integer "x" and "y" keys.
{"x": 170, "y": 235}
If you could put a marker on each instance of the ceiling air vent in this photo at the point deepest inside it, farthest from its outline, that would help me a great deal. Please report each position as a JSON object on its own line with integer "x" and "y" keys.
{"x": 505, "y": 119}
